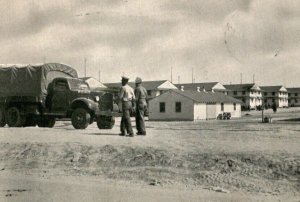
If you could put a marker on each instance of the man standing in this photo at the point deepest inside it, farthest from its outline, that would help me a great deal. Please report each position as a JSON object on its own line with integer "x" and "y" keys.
{"x": 141, "y": 106}
{"x": 127, "y": 98}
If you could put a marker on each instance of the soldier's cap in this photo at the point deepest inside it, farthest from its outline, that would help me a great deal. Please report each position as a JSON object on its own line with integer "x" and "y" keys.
{"x": 124, "y": 78}
{"x": 138, "y": 80}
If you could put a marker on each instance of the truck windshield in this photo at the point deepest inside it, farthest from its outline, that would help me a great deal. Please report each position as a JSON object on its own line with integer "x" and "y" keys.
{"x": 76, "y": 84}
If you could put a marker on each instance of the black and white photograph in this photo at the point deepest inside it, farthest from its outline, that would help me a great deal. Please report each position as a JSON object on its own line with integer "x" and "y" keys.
{"x": 149, "y": 100}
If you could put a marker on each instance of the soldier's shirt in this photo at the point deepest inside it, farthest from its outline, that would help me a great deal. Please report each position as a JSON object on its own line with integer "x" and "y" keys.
{"x": 126, "y": 93}
{"x": 140, "y": 93}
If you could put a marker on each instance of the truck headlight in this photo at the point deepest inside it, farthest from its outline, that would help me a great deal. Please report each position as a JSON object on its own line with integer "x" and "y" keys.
{"x": 97, "y": 98}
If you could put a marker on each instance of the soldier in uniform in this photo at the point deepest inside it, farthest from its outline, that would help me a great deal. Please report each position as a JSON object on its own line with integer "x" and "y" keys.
{"x": 141, "y": 106}
{"x": 127, "y": 98}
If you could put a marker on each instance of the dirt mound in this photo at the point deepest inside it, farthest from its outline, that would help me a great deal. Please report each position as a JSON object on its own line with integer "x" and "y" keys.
{"x": 254, "y": 172}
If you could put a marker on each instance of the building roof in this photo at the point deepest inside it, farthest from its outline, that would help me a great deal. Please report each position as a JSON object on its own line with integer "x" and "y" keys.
{"x": 240, "y": 87}
{"x": 149, "y": 85}
{"x": 272, "y": 88}
{"x": 293, "y": 90}
{"x": 208, "y": 86}
{"x": 207, "y": 97}
{"x": 94, "y": 83}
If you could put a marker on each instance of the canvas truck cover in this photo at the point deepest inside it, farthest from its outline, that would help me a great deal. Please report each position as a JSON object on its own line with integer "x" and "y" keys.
{"x": 31, "y": 80}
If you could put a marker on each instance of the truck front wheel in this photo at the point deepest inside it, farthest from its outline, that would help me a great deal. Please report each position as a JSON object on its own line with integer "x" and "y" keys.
{"x": 14, "y": 117}
{"x": 105, "y": 122}
{"x": 81, "y": 118}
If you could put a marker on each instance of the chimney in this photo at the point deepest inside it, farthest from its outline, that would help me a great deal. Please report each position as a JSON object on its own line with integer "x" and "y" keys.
{"x": 198, "y": 89}
{"x": 182, "y": 88}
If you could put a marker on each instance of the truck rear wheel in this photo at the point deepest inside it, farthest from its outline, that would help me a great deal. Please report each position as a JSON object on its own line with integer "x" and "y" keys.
{"x": 46, "y": 122}
{"x": 14, "y": 117}
{"x": 2, "y": 119}
{"x": 105, "y": 122}
{"x": 81, "y": 118}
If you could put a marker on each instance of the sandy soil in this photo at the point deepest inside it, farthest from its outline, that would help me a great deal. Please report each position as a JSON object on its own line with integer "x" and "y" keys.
{"x": 235, "y": 160}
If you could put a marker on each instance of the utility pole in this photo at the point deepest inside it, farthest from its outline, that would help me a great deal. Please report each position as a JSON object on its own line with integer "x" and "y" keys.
{"x": 171, "y": 74}
{"x": 85, "y": 67}
{"x": 192, "y": 75}
{"x": 241, "y": 78}
{"x": 99, "y": 75}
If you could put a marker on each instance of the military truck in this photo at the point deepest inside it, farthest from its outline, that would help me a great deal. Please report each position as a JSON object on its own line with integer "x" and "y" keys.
{"x": 33, "y": 95}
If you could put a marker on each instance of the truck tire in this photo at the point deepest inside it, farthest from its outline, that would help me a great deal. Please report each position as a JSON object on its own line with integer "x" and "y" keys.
{"x": 105, "y": 122}
{"x": 14, "y": 117}
{"x": 81, "y": 118}
{"x": 2, "y": 119}
{"x": 46, "y": 122}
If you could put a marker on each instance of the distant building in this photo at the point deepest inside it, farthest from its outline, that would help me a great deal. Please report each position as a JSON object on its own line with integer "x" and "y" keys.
{"x": 94, "y": 83}
{"x": 205, "y": 87}
{"x": 177, "y": 105}
{"x": 154, "y": 88}
{"x": 275, "y": 94}
{"x": 293, "y": 97}
{"x": 250, "y": 94}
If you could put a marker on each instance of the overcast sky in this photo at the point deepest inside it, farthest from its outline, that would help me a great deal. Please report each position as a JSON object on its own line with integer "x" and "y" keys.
{"x": 218, "y": 39}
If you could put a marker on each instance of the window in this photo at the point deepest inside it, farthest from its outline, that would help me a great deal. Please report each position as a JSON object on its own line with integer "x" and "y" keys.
{"x": 273, "y": 100}
{"x": 234, "y": 93}
{"x": 289, "y": 94}
{"x": 244, "y": 92}
{"x": 296, "y": 94}
{"x": 234, "y": 106}
{"x": 296, "y": 101}
{"x": 149, "y": 92}
{"x": 273, "y": 93}
{"x": 161, "y": 92}
{"x": 61, "y": 86}
{"x": 178, "y": 107}
{"x": 162, "y": 107}
{"x": 222, "y": 106}
{"x": 265, "y": 94}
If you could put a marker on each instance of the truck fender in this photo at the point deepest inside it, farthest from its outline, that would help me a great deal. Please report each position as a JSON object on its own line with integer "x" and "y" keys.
{"x": 84, "y": 103}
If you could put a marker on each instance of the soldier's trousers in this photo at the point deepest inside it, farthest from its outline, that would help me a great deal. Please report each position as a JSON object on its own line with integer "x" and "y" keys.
{"x": 126, "y": 121}
{"x": 139, "y": 118}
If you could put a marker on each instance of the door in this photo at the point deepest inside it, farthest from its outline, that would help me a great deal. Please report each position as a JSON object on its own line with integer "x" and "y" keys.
{"x": 60, "y": 96}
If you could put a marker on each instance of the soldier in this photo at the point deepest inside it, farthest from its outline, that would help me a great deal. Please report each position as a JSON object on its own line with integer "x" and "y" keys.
{"x": 127, "y": 98}
{"x": 141, "y": 106}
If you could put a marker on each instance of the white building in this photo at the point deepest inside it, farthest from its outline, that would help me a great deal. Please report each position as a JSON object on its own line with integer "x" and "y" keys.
{"x": 205, "y": 87}
{"x": 294, "y": 97}
{"x": 94, "y": 83}
{"x": 275, "y": 94}
{"x": 192, "y": 105}
{"x": 250, "y": 94}
{"x": 154, "y": 88}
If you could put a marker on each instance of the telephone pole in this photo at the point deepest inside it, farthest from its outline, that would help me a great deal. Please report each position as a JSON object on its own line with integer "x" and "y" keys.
{"x": 99, "y": 75}
{"x": 192, "y": 75}
{"x": 171, "y": 74}
{"x": 241, "y": 78}
{"x": 85, "y": 60}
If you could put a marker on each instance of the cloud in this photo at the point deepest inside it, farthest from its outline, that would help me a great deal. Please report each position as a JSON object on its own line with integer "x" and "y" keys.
{"x": 218, "y": 39}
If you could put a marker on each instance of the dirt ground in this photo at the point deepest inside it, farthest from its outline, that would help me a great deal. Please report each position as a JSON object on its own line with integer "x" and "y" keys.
{"x": 216, "y": 160}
